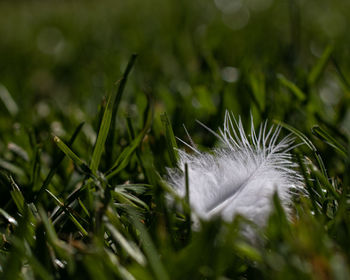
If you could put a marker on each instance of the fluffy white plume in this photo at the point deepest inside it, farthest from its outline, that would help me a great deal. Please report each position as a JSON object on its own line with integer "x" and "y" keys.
{"x": 241, "y": 175}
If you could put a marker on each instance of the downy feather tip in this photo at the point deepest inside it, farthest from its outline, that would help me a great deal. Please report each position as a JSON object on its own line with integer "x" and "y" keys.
{"x": 241, "y": 175}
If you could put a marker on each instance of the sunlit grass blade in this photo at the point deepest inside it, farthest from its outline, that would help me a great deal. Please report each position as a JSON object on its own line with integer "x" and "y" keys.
{"x": 108, "y": 118}
{"x": 69, "y": 153}
{"x": 8, "y": 217}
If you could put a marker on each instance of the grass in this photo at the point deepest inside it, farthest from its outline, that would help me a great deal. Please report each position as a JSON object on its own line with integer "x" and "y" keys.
{"x": 87, "y": 130}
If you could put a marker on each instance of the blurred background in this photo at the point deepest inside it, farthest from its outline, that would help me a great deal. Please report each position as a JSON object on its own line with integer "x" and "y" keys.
{"x": 58, "y": 59}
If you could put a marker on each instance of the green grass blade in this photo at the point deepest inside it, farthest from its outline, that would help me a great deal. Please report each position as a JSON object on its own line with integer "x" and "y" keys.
{"x": 129, "y": 247}
{"x": 36, "y": 169}
{"x": 102, "y": 136}
{"x": 108, "y": 118}
{"x": 170, "y": 139}
{"x": 14, "y": 169}
{"x": 327, "y": 138}
{"x": 308, "y": 143}
{"x": 110, "y": 139}
{"x": 17, "y": 196}
{"x": 128, "y": 198}
{"x": 58, "y": 162}
{"x": 150, "y": 250}
{"x": 313, "y": 194}
{"x": 292, "y": 87}
{"x": 317, "y": 70}
{"x": 68, "y": 212}
{"x": 8, "y": 101}
{"x": 8, "y": 217}
{"x": 124, "y": 157}
{"x": 69, "y": 153}
{"x": 258, "y": 90}
{"x": 325, "y": 182}
{"x": 342, "y": 76}
{"x": 52, "y": 236}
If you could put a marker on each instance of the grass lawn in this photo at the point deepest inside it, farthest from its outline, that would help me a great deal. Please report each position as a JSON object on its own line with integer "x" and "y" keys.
{"x": 94, "y": 98}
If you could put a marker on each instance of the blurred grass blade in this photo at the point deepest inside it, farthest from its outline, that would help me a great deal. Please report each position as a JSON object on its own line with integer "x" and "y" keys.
{"x": 122, "y": 272}
{"x": 108, "y": 118}
{"x": 69, "y": 153}
{"x": 342, "y": 76}
{"x": 11, "y": 168}
{"x": 60, "y": 247}
{"x": 258, "y": 90}
{"x": 8, "y": 101}
{"x": 8, "y": 217}
{"x": 325, "y": 137}
{"x": 317, "y": 70}
{"x": 292, "y": 87}
{"x": 150, "y": 250}
{"x": 308, "y": 143}
{"x": 248, "y": 251}
{"x": 36, "y": 169}
{"x": 52, "y": 236}
{"x": 170, "y": 139}
{"x": 18, "y": 151}
{"x": 128, "y": 246}
{"x": 17, "y": 196}
{"x": 38, "y": 268}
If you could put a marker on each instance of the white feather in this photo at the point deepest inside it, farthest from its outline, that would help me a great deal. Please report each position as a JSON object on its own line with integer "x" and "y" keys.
{"x": 241, "y": 175}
